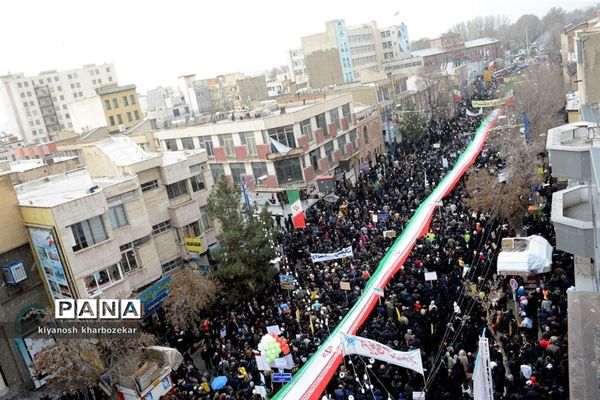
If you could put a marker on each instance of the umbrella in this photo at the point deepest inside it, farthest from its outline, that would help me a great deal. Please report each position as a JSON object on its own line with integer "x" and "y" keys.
{"x": 218, "y": 383}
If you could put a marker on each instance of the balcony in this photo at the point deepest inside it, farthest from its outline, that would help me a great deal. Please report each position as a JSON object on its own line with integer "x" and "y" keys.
{"x": 569, "y": 148}
{"x": 184, "y": 214}
{"x": 573, "y": 221}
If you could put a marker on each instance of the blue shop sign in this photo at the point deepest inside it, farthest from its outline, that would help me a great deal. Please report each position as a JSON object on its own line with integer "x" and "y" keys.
{"x": 152, "y": 297}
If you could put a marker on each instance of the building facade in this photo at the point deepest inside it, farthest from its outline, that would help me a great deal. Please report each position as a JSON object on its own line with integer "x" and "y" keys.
{"x": 119, "y": 225}
{"x": 288, "y": 150}
{"x": 36, "y": 106}
{"x": 297, "y": 66}
{"x": 222, "y": 94}
{"x": 166, "y": 105}
{"x": 338, "y": 55}
{"x": 114, "y": 107}
{"x": 574, "y": 152}
{"x": 21, "y": 291}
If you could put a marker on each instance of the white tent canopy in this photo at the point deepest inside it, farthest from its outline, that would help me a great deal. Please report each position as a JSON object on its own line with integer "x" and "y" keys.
{"x": 525, "y": 256}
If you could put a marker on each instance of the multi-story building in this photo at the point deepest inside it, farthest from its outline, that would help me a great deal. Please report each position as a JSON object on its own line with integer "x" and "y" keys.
{"x": 567, "y": 50}
{"x": 450, "y": 48}
{"x": 574, "y": 151}
{"x": 297, "y": 66}
{"x": 287, "y": 150}
{"x": 165, "y": 105}
{"x": 36, "y": 106}
{"x": 120, "y": 224}
{"x": 112, "y": 106}
{"x": 222, "y": 94}
{"x": 339, "y": 54}
{"x": 21, "y": 291}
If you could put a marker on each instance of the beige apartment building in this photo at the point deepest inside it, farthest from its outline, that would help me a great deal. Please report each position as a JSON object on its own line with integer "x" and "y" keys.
{"x": 114, "y": 107}
{"x": 120, "y": 224}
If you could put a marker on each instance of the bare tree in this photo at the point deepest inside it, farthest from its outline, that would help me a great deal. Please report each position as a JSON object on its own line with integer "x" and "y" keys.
{"x": 540, "y": 96}
{"x": 435, "y": 90}
{"x": 189, "y": 293}
{"x": 77, "y": 364}
{"x": 421, "y": 44}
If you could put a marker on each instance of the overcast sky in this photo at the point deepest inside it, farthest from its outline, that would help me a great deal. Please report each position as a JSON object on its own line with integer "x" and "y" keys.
{"x": 152, "y": 42}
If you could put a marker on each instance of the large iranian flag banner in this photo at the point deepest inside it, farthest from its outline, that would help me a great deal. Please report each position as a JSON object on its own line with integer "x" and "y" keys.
{"x": 297, "y": 211}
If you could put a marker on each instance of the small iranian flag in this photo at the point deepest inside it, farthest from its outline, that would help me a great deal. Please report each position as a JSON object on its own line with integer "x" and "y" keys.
{"x": 457, "y": 94}
{"x": 297, "y": 211}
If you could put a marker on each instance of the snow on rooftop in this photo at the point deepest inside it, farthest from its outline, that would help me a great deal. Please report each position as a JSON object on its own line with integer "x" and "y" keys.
{"x": 25, "y": 165}
{"x": 123, "y": 151}
{"x": 62, "y": 188}
{"x": 480, "y": 42}
{"x": 427, "y": 52}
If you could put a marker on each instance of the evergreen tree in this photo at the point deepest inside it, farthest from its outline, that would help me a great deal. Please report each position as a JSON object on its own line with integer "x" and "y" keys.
{"x": 245, "y": 244}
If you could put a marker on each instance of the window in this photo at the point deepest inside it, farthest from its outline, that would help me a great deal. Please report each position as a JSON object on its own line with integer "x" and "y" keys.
{"x": 19, "y": 85}
{"x": 171, "y": 144}
{"x": 187, "y": 143}
{"x": 334, "y": 116}
{"x": 107, "y": 69}
{"x": 161, "y": 227}
{"x": 207, "y": 144}
{"x": 248, "y": 139}
{"x": 171, "y": 265}
{"x": 322, "y": 124}
{"x": 112, "y": 120}
{"x": 288, "y": 171}
{"x": 237, "y": 169}
{"x": 59, "y": 88}
{"x": 129, "y": 261}
{"x": 119, "y": 119}
{"x": 132, "y": 98}
{"x": 129, "y": 116}
{"x": 117, "y": 216}
{"x": 101, "y": 279}
{"x": 226, "y": 141}
{"x": 284, "y": 135}
{"x": 177, "y": 189}
{"x": 204, "y": 219}
{"x": 136, "y": 114}
{"x": 259, "y": 169}
{"x": 197, "y": 183}
{"x": 28, "y": 94}
{"x": 125, "y": 101}
{"x": 341, "y": 142}
{"x": 109, "y": 79}
{"x": 328, "y": 148}
{"x": 150, "y": 185}
{"x": 115, "y": 103}
{"x": 56, "y": 79}
{"x": 314, "y": 159}
{"x": 87, "y": 233}
{"x": 307, "y": 129}
{"x": 217, "y": 170}
{"x": 366, "y": 135}
{"x": 346, "y": 112}
{"x": 353, "y": 138}
{"x": 72, "y": 86}
{"x": 192, "y": 230}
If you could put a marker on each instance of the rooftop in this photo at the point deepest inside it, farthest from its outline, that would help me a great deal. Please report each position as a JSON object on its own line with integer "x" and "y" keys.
{"x": 123, "y": 151}
{"x": 577, "y": 135}
{"x": 58, "y": 189}
{"x": 427, "y": 52}
{"x": 26, "y": 165}
{"x": 113, "y": 89}
{"x": 480, "y": 42}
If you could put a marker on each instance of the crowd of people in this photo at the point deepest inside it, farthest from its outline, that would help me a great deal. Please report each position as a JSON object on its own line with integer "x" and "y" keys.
{"x": 443, "y": 318}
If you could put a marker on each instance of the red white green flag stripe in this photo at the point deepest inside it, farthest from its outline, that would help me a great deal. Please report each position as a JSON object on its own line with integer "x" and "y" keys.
{"x": 297, "y": 211}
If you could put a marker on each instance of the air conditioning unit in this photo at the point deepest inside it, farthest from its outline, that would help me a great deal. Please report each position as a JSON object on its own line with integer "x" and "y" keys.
{"x": 14, "y": 272}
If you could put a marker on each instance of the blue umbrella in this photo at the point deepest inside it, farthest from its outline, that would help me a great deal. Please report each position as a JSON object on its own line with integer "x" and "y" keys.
{"x": 218, "y": 383}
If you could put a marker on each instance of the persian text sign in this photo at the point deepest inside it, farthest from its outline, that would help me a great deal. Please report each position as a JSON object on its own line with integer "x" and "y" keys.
{"x": 370, "y": 348}
{"x": 322, "y": 257}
